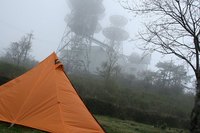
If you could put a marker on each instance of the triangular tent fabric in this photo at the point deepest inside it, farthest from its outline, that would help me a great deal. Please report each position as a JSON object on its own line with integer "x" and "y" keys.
{"x": 43, "y": 98}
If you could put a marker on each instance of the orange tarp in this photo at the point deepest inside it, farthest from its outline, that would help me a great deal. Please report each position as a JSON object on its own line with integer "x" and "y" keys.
{"x": 43, "y": 98}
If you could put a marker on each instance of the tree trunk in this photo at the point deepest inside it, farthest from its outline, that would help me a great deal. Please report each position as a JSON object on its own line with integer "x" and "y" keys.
{"x": 195, "y": 115}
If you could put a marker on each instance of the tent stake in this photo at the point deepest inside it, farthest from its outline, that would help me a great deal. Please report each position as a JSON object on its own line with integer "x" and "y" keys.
{"x": 11, "y": 125}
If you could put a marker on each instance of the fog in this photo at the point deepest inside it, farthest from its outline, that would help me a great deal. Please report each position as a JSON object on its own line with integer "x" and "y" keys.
{"x": 45, "y": 18}
{"x": 98, "y": 44}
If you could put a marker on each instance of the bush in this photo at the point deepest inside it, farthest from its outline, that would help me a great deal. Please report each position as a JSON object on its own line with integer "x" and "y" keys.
{"x": 10, "y": 70}
{"x": 3, "y": 80}
{"x": 105, "y": 108}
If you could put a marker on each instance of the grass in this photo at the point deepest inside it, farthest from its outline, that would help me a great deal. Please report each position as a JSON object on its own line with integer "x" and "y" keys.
{"x": 111, "y": 125}
{"x": 4, "y": 128}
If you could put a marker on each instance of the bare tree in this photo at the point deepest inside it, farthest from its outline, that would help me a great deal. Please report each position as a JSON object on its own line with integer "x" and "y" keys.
{"x": 110, "y": 68}
{"x": 174, "y": 29}
{"x": 18, "y": 52}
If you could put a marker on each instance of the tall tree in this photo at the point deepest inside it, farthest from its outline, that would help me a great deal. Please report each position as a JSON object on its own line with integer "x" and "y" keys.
{"x": 18, "y": 52}
{"x": 109, "y": 69}
{"x": 171, "y": 75}
{"x": 174, "y": 29}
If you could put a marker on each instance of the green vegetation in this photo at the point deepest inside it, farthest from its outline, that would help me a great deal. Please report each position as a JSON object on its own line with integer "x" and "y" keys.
{"x": 5, "y": 128}
{"x": 10, "y": 70}
{"x": 134, "y": 99}
{"x": 111, "y": 125}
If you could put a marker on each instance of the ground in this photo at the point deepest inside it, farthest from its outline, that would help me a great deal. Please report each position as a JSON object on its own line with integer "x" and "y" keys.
{"x": 111, "y": 125}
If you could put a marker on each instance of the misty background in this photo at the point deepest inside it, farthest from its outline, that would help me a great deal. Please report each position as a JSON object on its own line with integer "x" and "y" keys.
{"x": 46, "y": 20}
{"x": 147, "y": 87}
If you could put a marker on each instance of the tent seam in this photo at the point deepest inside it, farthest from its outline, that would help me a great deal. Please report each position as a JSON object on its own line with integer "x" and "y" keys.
{"x": 84, "y": 103}
{"x": 31, "y": 90}
{"x": 59, "y": 102}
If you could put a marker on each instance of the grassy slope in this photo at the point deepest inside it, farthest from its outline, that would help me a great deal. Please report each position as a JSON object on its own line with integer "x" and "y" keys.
{"x": 111, "y": 125}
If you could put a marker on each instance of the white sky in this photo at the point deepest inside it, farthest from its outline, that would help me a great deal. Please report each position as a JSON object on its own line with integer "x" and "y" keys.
{"x": 46, "y": 19}
{"x": 43, "y": 17}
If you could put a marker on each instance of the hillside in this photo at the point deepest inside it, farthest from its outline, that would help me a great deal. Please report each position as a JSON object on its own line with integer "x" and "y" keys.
{"x": 126, "y": 98}
{"x": 133, "y": 99}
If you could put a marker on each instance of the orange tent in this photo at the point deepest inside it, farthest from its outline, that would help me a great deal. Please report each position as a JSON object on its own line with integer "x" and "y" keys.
{"x": 43, "y": 98}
